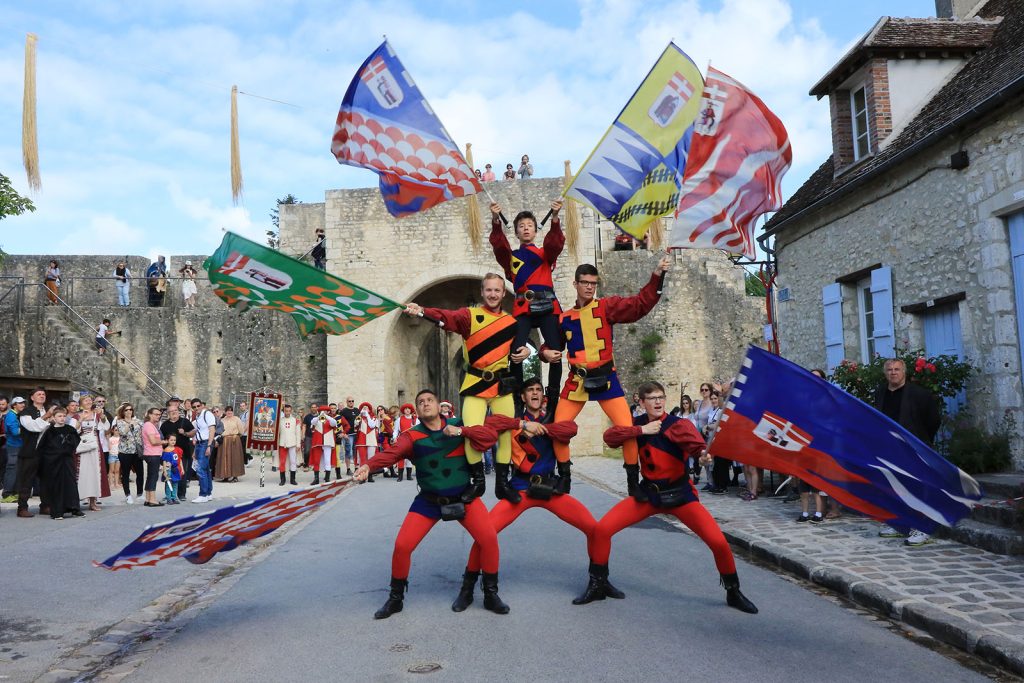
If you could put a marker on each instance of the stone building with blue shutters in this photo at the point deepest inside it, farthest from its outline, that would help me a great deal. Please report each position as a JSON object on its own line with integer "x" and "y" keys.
{"x": 912, "y": 233}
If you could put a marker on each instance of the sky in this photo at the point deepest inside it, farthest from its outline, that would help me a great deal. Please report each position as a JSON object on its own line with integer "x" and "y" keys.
{"x": 134, "y": 97}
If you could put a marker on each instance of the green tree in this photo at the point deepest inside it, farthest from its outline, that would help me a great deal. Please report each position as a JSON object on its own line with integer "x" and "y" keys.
{"x": 12, "y": 203}
{"x": 274, "y": 234}
{"x": 753, "y": 284}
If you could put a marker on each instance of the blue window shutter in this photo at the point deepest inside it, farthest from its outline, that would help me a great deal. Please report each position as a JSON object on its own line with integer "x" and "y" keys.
{"x": 832, "y": 300}
{"x": 1017, "y": 258}
{"x": 881, "y": 294}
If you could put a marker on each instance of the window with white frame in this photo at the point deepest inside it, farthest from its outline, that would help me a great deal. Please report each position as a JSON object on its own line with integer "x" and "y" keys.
{"x": 866, "y": 314}
{"x": 861, "y": 131}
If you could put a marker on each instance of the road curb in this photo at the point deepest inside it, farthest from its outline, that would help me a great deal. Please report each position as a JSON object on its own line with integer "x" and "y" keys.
{"x": 990, "y": 646}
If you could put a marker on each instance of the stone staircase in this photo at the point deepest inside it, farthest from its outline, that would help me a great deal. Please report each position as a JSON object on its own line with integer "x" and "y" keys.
{"x": 109, "y": 374}
{"x": 997, "y": 521}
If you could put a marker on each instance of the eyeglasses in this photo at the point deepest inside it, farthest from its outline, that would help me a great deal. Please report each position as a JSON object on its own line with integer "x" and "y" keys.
{"x": 654, "y": 398}
{"x": 704, "y": 390}
{"x": 587, "y": 283}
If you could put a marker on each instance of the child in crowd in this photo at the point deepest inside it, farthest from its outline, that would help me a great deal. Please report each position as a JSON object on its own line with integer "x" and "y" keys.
{"x": 56, "y": 449}
{"x": 172, "y": 470}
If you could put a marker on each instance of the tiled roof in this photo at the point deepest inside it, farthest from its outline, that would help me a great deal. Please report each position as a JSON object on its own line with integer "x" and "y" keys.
{"x": 995, "y": 73}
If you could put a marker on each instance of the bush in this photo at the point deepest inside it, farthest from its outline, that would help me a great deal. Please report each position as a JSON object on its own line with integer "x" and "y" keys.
{"x": 649, "y": 348}
{"x": 974, "y": 450}
{"x": 944, "y": 376}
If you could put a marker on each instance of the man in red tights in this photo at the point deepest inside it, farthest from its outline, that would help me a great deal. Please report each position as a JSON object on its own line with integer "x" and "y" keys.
{"x": 449, "y": 491}
{"x": 665, "y": 443}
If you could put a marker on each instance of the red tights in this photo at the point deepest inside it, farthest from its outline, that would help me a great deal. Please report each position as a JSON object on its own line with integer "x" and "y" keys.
{"x": 416, "y": 526}
{"x": 694, "y": 515}
{"x": 566, "y": 508}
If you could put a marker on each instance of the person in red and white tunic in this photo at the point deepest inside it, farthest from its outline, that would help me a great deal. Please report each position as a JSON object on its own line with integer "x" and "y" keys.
{"x": 288, "y": 444}
{"x": 366, "y": 435}
{"x": 322, "y": 451}
{"x": 406, "y": 421}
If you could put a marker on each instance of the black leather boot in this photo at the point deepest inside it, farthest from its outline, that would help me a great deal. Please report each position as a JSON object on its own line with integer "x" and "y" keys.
{"x": 501, "y": 488}
{"x": 597, "y": 586}
{"x": 401, "y": 474}
{"x": 282, "y": 478}
{"x": 733, "y": 596}
{"x": 337, "y": 473}
{"x": 633, "y": 487}
{"x": 291, "y": 479}
{"x": 408, "y": 473}
{"x": 393, "y": 605}
{"x": 465, "y": 597}
{"x": 477, "y": 483}
{"x": 564, "y": 477}
{"x": 316, "y": 478}
{"x": 327, "y": 476}
{"x": 491, "y": 600}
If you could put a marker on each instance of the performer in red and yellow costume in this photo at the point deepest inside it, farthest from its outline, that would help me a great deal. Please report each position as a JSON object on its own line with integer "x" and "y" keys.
{"x": 488, "y": 333}
{"x": 587, "y": 330}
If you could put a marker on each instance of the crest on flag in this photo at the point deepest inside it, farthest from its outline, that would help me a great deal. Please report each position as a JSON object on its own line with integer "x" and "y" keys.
{"x": 781, "y": 433}
{"x": 670, "y": 102}
{"x": 382, "y": 84}
{"x": 253, "y": 272}
{"x": 389, "y": 128}
{"x": 633, "y": 175}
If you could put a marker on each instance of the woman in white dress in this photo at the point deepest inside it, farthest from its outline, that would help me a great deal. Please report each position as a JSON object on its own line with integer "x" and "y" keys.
{"x": 188, "y": 284}
{"x": 89, "y": 421}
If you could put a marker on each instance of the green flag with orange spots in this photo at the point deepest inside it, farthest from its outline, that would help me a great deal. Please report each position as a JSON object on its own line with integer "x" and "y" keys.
{"x": 244, "y": 273}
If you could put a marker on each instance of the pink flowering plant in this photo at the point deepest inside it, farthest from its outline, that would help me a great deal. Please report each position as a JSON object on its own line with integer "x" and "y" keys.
{"x": 944, "y": 376}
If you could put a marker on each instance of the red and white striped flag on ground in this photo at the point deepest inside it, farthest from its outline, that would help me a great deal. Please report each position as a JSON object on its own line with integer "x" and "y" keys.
{"x": 739, "y": 153}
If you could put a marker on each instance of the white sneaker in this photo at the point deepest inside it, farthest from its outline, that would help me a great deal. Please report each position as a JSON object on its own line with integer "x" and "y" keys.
{"x": 129, "y": 500}
{"x": 200, "y": 499}
{"x": 918, "y": 538}
{"x": 886, "y": 531}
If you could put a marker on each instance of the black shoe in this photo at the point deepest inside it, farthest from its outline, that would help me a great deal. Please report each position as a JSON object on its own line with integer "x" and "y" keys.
{"x": 803, "y": 518}
{"x": 791, "y": 498}
{"x": 316, "y": 479}
{"x": 291, "y": 480}
{"x": 327, "y": 476}
{"x": 393, "y": 605}
{"x": 337, "y": 473}
{"x": 348, "y": 470}
{"x": 817, "y": 519}
{"x": 597, "y": 586}
{"x": 282, "y": 482}
{"x": 718, "y": 492}
{"x": 401, "y": 474}
{"x": 733, "y": 597}
{"x": 465, "y": 597}
{"x": 491, "y": 600}
{"x": 77, "y": 513}
{"x": 408, "y": 473}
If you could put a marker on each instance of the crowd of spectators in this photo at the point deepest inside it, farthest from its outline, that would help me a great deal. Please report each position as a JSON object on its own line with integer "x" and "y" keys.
{"x": 155, "y": 278}
{"x": 525, "y": 171}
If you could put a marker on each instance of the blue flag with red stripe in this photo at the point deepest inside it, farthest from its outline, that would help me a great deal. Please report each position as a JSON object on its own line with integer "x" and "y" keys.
{"x": 199, "y": 537}
{"x": 781, "y": 417}
{"x": 387, "y": 126}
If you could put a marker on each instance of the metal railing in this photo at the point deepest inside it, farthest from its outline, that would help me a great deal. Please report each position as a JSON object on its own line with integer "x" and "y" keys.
{"x": 139, "y": 294}
{"x": 87, "y": 328}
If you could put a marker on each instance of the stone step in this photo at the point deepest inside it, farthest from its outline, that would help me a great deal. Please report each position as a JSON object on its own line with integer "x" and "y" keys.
{"x": 1000, "y": 512}
{"x": 1003, "y": 485}
{"x": 994, "y": 539}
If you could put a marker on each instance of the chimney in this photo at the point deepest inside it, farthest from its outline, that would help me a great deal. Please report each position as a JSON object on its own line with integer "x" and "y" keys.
{"x": 955, "y": 9}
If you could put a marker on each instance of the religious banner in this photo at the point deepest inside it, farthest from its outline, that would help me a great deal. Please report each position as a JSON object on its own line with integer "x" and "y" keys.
{"x": 633, "y": 175}
{"x": 199, "y": 537}
{"x": 245, "y": 273}
{"x": 264, "y": 419}
{"x": 783, "y": 418}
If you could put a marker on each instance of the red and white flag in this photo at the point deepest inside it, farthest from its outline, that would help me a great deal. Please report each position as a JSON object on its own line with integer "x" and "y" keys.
{"x": 739, "y": 153}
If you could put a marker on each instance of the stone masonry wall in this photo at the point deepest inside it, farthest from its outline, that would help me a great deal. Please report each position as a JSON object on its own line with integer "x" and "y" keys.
{"x": 943, "y": 232}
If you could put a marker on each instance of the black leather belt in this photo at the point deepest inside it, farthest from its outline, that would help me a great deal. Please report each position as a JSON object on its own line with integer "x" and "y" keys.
{"x": 599, "y": 371}
{"x": 441, "y": 500}
{"x": 536, "y": 294}
{"x": 488, "y": 375}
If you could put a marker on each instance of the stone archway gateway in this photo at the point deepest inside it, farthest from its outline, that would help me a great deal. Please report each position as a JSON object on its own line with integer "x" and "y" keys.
{"x": 702, "y": 326}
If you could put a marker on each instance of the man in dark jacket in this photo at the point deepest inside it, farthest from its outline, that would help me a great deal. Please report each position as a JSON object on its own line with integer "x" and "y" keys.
{"x": 915, "y": 409}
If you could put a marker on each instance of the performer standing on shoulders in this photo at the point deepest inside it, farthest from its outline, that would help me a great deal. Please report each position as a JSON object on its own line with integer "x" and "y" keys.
{"x": 535, "y": 478}
{"x": 488, "y": 333}
{"x": 588, "y": 330}
{"x": 449, "y": 491}
{"x": 530, "y": 269}
{"x": 666, "y": 442}
{"x": 289, "y": 438}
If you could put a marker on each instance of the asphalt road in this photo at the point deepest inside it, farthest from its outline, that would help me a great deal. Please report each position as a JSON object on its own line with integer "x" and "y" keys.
{"x": 304, "y": 611}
